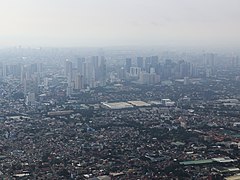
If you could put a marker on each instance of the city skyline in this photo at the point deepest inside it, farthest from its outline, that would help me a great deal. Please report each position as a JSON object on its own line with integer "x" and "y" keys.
{"x": 123, "y": 23}
{"x": 130, "y": 89}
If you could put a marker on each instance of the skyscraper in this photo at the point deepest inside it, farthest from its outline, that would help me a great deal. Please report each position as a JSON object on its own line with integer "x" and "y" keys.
{"x": 103, "y": 71}
{"x": 79, "y": 82}
{"x": 80, "y": 62}
{"x": 135, "y": 71}
{"x": 68, "y": 68}
{"x": 140, "y": 62}
{"x": 128, "y": 64}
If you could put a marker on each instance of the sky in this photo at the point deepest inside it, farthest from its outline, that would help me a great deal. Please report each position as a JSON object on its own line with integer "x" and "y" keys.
{"x": 86, "y": 23}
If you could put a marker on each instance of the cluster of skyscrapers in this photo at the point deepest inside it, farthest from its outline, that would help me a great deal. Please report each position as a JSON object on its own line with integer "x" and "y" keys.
{"x": 150, "y": 70}
{"x": 29, "y": 77}
{"x": 75, "y": 75}
{"x": 86, "y": 72}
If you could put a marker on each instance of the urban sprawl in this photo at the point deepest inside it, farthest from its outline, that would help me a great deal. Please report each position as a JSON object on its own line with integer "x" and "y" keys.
{"x": 119, "y": 115}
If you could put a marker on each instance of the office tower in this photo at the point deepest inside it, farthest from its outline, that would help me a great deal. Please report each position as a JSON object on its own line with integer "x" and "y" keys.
{"x": 4, "y": 70}
{"x": 99, "y": 71}
{"x": 154, "y": 61}
{"x": 147, "y": 64}
{"x": 128, "y": 64}
{"x": 39, "y": 71}
{"x": 85, "y": 72}
{"x": 89, "y": 73}
{"x": 140, "y": 62}
{"x": 23, "y": 74}
{"x": 183, "y": 68}
{"x": 135, "y": 71}
{"x": 94, "y": 61}
{"x": 69, "y": 75}
{"x": 74, "y": 73}
{"x": 154, "y": 78}
{"x": 151, "y": 62}
{"x": 79, "y": 82}
{"x": 92, "y": 78}
{"x": 151, "y": 78}
{"x": 144, "y": 78}
{"x": 68, "y": 68}
{"x": 167, "y": 69}
{"x": 69, "y": 86}
{"x": 147, "y": 78}
{"x": 80, "y": 62}
{"x": 103, "y": 71}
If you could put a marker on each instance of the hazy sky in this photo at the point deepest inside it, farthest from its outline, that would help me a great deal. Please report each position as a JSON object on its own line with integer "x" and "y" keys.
{"x": 119, "y": 22}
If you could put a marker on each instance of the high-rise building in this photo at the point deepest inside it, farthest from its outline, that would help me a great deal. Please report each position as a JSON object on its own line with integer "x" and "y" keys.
{"x": 80, "y": 62}
{"x": 4, "y": 70}
{"x": 147, "y": 78}
{"x": 144, "y": 78}
{"x": 23, "y": 73}
{"x": 68, "y": 68}
{"x": 151, "y": 62}
{"x": 135, "y": 71}
{"x": 140, "y": 62}
{"x": 154, "y": 61}
{"x": 103, "y": 71}
{"x": 95, "y": 62}
{"x": 128, "y": 64}
{"x": 184, "y": 69}
{"x": 79, "y": 82}
{"x": 85, "y": 70}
